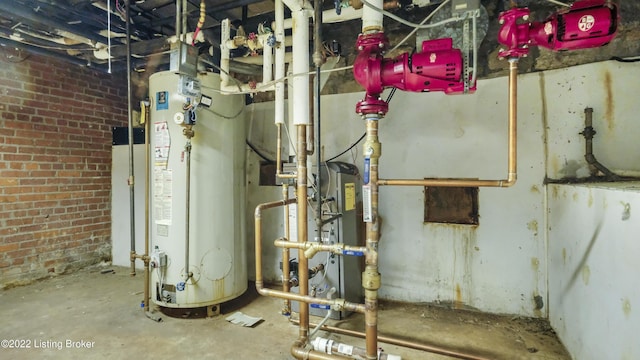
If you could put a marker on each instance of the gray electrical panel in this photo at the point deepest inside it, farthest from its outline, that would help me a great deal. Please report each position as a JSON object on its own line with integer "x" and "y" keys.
{"x": 342, "y": 188}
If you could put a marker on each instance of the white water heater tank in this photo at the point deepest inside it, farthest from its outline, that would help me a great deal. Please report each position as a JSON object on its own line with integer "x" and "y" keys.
{"x": 217, "y": 254}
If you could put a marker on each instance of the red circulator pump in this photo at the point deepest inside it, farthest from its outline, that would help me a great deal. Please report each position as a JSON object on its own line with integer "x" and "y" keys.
{"x": 586, "y": 24}
{"x": 438, "y": 67}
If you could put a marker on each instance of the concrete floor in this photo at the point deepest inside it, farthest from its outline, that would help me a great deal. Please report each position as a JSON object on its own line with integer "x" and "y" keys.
{"x": 103, "y": 311}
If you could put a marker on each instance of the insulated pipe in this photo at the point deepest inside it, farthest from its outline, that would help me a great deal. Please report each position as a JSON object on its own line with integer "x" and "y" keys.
{"x": 280, "y": 67}
{"x": 399, "y": 342}
{"x": 26, "y": 13}
{"x": 336, "y": 304}
{"x": 301, "y": 66}
{"x": 131, "y": 181}
{"x": 267, "y": 66}
{"x": 372, "y": 19}
{"x": 512, "y": 149}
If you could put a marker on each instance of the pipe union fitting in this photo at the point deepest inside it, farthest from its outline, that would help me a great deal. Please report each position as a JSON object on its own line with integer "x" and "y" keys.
{"x": 338, "y": 304}
{"x": 371, "y": 279}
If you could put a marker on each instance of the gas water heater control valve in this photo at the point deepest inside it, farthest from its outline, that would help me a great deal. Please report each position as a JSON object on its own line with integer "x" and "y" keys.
{"x": 586, "y": 24}
{"x": 438, "y": 67}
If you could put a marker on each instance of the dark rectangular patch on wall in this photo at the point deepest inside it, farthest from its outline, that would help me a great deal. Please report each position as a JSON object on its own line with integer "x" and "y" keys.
{"x": 451, "y": 205}
{"x": 267, "y": 174}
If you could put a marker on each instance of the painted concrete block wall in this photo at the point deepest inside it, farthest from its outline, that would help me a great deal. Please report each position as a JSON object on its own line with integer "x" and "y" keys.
{"x": 501, "y": 265}
{"x": 594, "y": 285}
{"x": 611, "y": 89}
{"x": 121, "y": 208}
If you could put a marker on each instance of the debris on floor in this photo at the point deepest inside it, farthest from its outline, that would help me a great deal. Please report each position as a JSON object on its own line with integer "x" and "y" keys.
{"x": 239, "y": 318}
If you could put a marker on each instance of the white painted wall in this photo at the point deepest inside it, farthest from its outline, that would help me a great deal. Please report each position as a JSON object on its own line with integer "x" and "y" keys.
{"x": 611, "y": 89}
{"x": 594, "y": 285}
{"x": 120, "y": 207}
{"x": 498, "y": 266}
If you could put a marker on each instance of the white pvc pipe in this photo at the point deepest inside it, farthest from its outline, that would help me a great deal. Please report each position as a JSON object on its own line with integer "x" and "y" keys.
{"x": 225, "y": 53}
{"x": 297, "y": 5}
{"x": 267, "y": 65}
{"x": 330, "y": 17}
{"x": 280, "y": 62}
{"x": 372, "y": 19}
{"x": 300, "y": 66}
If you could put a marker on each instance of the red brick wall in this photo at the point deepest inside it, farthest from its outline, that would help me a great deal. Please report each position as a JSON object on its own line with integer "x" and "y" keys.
{"x": 55, "y": 168}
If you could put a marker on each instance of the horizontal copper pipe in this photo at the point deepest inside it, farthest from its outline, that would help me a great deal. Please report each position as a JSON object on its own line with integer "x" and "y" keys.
{"x": 336, "y": 304}
{"x": 311, "y": 248}
{"x": 399, "y": 342}
{"x": 511, "y": 148}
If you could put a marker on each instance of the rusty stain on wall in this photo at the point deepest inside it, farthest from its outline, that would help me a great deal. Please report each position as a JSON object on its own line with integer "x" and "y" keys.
{"x": 464, "y": 244}
{"x": 564, "y": 256}
{"x": 457, "y": 304}
{"x": 586, "y": 274}
{"x": 609, "y": 112}
{"x": 626, "y": 307}
{"x": 555, "y": 166}
{"x": 535, "y": 189}
{"x": 590, "y": 201}
{"x": 533, "y": 226}
{"x": 538, "y": 303}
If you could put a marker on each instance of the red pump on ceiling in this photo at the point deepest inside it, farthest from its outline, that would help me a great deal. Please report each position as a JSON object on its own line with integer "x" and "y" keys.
{"x": 586, "y": 24}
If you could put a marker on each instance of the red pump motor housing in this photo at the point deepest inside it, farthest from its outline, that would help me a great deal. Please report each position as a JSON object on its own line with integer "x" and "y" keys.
{"x": 438, "y": 67}
{"x": 586, "y": 24}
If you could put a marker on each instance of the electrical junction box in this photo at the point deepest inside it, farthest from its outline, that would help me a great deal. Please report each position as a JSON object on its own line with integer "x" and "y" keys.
{"x": 188, "y": 86}
{"x": 184, "y": 59}
{"x": 459, "y": 7}
{"x": 343, "y": 272}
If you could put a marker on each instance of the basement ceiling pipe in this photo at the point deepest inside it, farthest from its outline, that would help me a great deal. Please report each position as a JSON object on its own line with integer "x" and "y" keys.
{"x": 52, "y": 54}
{"x": 28, "y": 15}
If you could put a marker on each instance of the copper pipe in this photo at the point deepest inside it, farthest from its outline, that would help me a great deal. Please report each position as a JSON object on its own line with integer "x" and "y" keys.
{"x": 338, "y": 304}
{"x": 285, "y": 251}
{"x": 303, "y": 263}
{"x": 400, "y": 342}
{"x": 311, "y": 248}
{"x": 371, "y": 276}
{"x": 511, "y": 149}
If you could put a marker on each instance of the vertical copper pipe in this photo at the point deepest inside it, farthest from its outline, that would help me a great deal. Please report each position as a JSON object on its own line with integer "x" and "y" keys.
{"x": 303, "y": 263}
{"x": 371, "y": 276}
{"x": 512, "y": 146}
{"x": 285, "y": 252}
{"x": 513, "y": 116}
